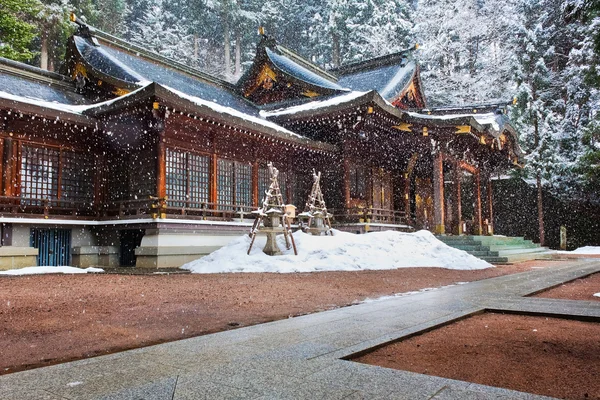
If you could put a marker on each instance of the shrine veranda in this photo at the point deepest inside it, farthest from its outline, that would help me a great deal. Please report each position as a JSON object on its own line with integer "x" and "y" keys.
{"x": 124, "y": 157}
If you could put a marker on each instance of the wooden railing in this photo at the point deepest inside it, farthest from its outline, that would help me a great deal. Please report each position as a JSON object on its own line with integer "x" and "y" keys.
{"x": 20, "y": 206}
{"x": 355, "y": 215}
{"x": 151, "y": 207}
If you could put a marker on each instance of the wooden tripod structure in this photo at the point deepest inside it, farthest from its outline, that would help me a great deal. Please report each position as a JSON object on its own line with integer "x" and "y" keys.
{"x": 316, "y": 208}
{"x": 272, "y": 205}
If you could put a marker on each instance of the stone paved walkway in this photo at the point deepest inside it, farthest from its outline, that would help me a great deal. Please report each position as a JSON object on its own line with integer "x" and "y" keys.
{"x": 302, "y": 358}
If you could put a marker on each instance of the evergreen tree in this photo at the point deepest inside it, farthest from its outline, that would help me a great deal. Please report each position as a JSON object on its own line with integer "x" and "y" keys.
{"x": 17, "y": 31}
{"x": 159, "y": 32}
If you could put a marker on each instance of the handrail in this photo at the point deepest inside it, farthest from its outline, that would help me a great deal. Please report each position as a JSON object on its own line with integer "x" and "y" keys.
{"x": 369, "y": 214}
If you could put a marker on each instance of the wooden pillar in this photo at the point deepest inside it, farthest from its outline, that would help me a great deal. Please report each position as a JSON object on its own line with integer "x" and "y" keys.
{"x": 458, "y": 230}
{"x": 99, "y": 181}
{"x": 256, "y": 197}
{"x": 490, "y": 201}
{"x": 407, "y": 196}
{"x": 161, "y": 167}
{"x": 479, "y": 225}
{"x": 1, "y": 164}
{"x": 346, "y": 183}
{"x": 438, "y": 194}
{"x": 213, "y": 180}
{"x": 8, "y": 178}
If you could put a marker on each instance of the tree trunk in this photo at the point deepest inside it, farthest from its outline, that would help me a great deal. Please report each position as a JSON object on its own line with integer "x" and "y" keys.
{"x": 44, "y": 52}
{"x": 335, "y": 56}
{"x": 227, "y": 46}
{"x": 540, "y": 206}
{"x": 196, "y": 50}
{"x": 238, "y": 54}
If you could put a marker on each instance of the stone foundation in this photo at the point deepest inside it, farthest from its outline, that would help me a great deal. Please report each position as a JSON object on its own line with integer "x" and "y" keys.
{"x": 12, "y": 257}
{"x": 172, "y": 249}
{"x": 91, "y": 256}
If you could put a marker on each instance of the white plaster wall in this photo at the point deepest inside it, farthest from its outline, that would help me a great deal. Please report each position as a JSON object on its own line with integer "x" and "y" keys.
{"x": 187, "y": 239}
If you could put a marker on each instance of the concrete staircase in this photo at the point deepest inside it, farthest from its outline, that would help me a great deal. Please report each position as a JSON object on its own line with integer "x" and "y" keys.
{"x": 498, "y": 249}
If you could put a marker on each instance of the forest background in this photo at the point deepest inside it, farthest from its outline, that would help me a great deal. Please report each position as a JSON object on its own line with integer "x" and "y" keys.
{"x": 541, "y": 53}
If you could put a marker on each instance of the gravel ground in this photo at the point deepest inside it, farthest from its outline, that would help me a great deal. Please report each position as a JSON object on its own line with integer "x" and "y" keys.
{"x": 547, "y": 356}
{"x": 47, "y": 319}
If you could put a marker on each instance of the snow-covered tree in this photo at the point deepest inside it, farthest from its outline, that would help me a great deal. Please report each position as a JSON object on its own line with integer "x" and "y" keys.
{"x": 159, "y": 31}
{"x": 465, "y": 49}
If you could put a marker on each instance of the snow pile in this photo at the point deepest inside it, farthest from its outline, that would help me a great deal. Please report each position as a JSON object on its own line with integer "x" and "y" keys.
{"x": 583, "y": 250}
{"x": 341, "y": 252}
{"x": 50, "y": 270}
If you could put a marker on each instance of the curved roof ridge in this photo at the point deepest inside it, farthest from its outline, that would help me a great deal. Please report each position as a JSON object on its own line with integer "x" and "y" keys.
{"x": 387, "y": 59}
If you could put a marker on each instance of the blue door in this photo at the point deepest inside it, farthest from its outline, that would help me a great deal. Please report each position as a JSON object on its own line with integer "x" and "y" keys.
{"x": 54, "y": 246}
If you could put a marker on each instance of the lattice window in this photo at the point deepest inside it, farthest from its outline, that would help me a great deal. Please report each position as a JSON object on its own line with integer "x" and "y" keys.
{"x": 176, "y": 176}
{"x": 243, "y": 184}
{"x": 77, "y": 181}
{"x": 358, "y": 178}
{"x": 39, "y": 172}
{"x": 187, "y": 178}
{"x": 225, "y": 172}
{"x": 264, "y": 181}
{"x": 198, "y": 169}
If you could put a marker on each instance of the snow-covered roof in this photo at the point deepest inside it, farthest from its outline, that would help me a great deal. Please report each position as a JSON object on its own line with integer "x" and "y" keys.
{"x": 332, "y": 104}
{"x": 389, "y": 75}
{"x": 300, "y": 72}
{"x": 314, "y": 105}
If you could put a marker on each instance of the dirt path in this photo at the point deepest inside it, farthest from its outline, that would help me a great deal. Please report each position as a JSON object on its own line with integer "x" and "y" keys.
{"x": 579, "y": 289}
{"x": 547, "y": 356}
{"x": 54, "y": 318}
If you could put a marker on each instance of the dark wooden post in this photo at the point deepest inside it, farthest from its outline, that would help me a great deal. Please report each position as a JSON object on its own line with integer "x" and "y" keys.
{"x": 490, "y": 200}
{"x": 8, "y": 177}
{"x": 161, "y": 167}
{"x": 478, "y": 202}
{"x": 458, "y": 230}
{"x": 213, "y": 179}
{"x": 255, "y": 195}
{"x": 346, "y": 183}
{"x": 407, "y": 197}
{"x": 1, "y": 164}
{"x": 438, "y": 194}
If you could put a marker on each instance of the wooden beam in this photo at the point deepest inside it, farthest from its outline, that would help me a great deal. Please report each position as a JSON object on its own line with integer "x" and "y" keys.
{"x": 8, "y": 167}
{"x": 438, "y": 194}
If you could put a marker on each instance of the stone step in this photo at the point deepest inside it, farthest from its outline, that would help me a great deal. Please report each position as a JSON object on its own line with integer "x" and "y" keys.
{"x": 528, "y": 250}
{"x": 523, "y": 247}
{"x": 470, "y": 247}
{"x": 483, "y": 253}
{"x": 495, "y": 260}
{"x": 543, "y": 255}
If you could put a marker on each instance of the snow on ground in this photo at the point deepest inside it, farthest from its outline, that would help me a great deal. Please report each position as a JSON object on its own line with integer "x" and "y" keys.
{"x": 50, "y": 270}
{"x": 341, "y": 252}
{"x": 583, "y": 250}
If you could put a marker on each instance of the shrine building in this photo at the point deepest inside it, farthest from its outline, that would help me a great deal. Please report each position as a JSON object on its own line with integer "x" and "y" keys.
{"x": 127, "y": 158}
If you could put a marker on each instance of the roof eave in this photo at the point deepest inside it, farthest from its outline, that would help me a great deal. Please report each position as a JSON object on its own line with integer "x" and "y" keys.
{"x": 46, "y": 112}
